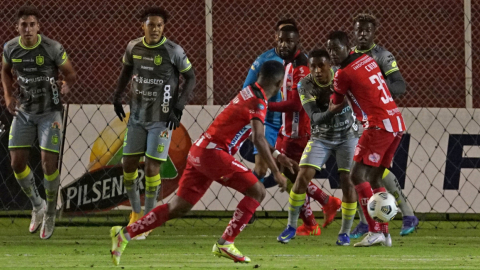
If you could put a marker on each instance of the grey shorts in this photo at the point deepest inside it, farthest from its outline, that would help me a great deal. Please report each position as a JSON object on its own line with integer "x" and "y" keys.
{"x": 317, "y": 152}
{"x": 149, "y": 138}
{"x": 48, "y": 127}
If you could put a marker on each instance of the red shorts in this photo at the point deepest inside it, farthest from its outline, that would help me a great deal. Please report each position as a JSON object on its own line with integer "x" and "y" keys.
{"x": 207, "y": 165}
{"x": 291, "y": 147}
{"x": 377, "y": 147}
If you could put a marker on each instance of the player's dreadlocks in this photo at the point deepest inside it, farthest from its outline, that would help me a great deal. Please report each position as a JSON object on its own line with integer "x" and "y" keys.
{"x": 365, "y": 17}
{"x": 28, "y": 11}
{"x": 155, "y": 11}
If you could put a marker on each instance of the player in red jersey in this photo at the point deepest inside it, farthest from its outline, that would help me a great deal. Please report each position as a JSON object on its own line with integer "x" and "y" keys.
{"x": 210, "y": 159}
{"x": 295, "y": 131}
{"x": 361, "y": 80}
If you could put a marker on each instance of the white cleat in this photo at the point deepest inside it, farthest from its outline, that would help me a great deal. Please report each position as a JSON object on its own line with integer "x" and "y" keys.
{"x": 371, "y": 239}
{"x": 388, "y": 240}
{"x": 48, "y": 225}
{"x": 37, "y": 217}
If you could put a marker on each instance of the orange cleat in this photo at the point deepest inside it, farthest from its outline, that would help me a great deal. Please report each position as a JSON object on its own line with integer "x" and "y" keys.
{"x": 330, "y": 210}
{"x": 306, "y": 230}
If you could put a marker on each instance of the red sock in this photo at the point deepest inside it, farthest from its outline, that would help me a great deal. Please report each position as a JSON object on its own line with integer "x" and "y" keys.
{"x": 153, "y": 219}
{"x": 380, "y": 189}
{"x": 364, "y": 191}
{"x": 306, "y": 214}
{"x": 317, "y": 193}
{"x": 242, "y": 215}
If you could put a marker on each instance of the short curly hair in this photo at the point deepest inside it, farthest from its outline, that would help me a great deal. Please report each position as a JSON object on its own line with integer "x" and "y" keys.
{"x": 28, "y": 11}
{"x": 365, "y": 17}
{"x": 155, "y": 11}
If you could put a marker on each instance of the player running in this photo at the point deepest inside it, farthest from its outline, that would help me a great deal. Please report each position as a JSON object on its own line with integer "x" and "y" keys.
{"x": 36, "y": 60}
{"x": 211, "y": 159}
{"x": 360, "y": 78}
{"x": 364, "y": 32}
{"x": 334, "y": 132}
{"x": 153, "y": 64}
{"x": 295, "y": 131}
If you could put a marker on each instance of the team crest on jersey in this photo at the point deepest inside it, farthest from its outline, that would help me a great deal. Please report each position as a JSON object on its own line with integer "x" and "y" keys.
{"x": 164, "y": 134}
{"x": 55, "y": 125}
{"x": 55, "y": 139}
{"x": 157, "y": 60}
{"x": 375, "y": 158}
{"x": 160, "y": 148}
{"x": 39, "y": 60}
{"x": 261, "y": 107}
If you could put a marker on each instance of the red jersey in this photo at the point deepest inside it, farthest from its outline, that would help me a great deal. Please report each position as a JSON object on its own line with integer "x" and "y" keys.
{"x": 232, "y": 126}
{"x": 360, "y": 78}
{"x": 295, "y": 121}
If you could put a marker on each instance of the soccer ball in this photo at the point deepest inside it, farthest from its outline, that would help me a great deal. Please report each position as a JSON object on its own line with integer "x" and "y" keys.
{"x": 382, "y": 207}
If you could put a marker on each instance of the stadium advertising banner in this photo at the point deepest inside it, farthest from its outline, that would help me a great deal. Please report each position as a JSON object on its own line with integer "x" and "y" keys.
{"x": 439, "y": 155}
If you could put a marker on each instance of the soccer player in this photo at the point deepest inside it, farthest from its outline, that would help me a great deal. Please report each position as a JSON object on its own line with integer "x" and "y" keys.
{"x": 364, "y": 32}
{"x": 360, "y": 77}
{"x": 211, "y": 159}
{"x": 334, "y": 132}
{"x": 295, "y": 131}
{"x": 36, "y": 60}
{"x": 153, "y": 64}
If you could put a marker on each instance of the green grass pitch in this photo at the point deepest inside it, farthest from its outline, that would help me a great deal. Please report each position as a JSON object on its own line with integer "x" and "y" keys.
{"x": 187, "y": 243}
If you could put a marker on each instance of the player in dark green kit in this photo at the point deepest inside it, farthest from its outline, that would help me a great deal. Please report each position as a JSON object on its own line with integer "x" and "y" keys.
{"x": 153, "y": 64}
{"x": 364, "y": 30}
{"x": 36, "y": 61}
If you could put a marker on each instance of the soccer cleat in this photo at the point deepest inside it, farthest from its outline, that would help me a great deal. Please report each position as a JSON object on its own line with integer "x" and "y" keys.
{"x": 119, "y": 242}
{"x": 229, "y": 252}
{"x": 371, "y": 239}
{"x": 287, "y": 235}
{"x": 388, "y": 240}
{"x": 343, "y": 240}
{"x": 48, "y": 225}
{"x": 308, "y": 230}
{"x": 330, "y": 210}
{"x": 359, "y": 231}
{"x": 134, "y": 217}
{"x": 409, "y": 225}
{"x": 37, "y": 217}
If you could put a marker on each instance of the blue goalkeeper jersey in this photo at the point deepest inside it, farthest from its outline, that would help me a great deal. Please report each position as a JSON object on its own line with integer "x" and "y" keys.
{"x": 273, "y": 119}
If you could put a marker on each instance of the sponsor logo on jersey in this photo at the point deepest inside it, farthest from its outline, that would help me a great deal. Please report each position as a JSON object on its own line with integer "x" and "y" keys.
{"x": 147, "y": 68}
{"x": 30, "y": 69}
{"x": 17, "y": 60}
{"x": 55, "y": 92}
{"x": 55, "y": 125}
{"x": 39, "y": 60}
{"x": 157, "y": 60}
{"x": 246, "y": 93}
{"x": 371, "y": 66}
{"x": 137, "y": 56}
{"x": 261, "y": 107}
{"x": 238, "y": 136}
{"x": 142, "y": 80}
{"x": 375, "y": 158}
{"x": 236, "y": 100}
{"x": 166, "y": 99}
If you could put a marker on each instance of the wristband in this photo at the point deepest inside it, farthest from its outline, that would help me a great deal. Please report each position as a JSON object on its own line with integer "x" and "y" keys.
{"x": 275, "y": 154}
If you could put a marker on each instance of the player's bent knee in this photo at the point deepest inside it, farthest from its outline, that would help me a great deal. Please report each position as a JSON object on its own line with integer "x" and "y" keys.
{"x": 257, "y": 192}
{"x": 178, "y": 207}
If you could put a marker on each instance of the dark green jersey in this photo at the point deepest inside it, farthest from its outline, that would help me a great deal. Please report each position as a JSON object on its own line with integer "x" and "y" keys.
{"x": 155, "y": 79}
{"x": 36, "y": 69}
{"x": 385, "y": 59}
{"x": 339, "y": 127}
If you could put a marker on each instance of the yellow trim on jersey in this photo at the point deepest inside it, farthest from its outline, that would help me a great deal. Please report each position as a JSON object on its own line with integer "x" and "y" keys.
{"x": 30, "y": 48}
{"x": 310, "y": 165}
{"x": 132, "y": 154}
{"x": 308, "y": 100}
{"x": 325, "y": 85}
{"x": 186, "y": 69}
{"x": 19, "y": 146}
{"x": 364, "y": 51}
{"x": 64, "y": 61}
{"x": 391, "y": 71}
{"x": 156, "y": 45}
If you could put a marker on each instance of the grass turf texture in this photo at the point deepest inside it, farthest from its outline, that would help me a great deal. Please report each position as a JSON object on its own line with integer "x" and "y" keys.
{"x": 187, "y": 243}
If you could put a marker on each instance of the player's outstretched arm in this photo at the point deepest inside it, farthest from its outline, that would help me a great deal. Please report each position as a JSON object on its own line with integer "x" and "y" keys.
{"x": 263, "y": 148}
{"x": 69, "y": 76}
{"x": 7, "y": 82}
{"x": 125, "y": 75}
{"x": 396, "y": 84}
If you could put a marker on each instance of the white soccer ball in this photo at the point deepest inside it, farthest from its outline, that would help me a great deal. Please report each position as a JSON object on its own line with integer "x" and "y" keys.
{"x": 382, "y": 207}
